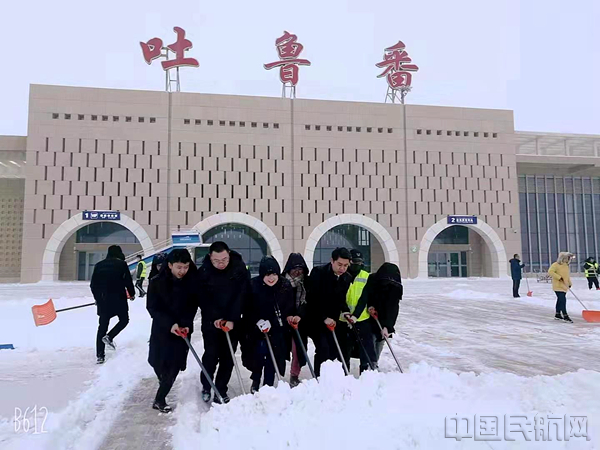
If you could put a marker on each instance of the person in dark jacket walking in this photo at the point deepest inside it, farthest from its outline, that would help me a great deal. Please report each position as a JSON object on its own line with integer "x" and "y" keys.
{"x": 111, "y": 281}
{"x": 140, "y": 276}
{"x": 515, "y": 271}
{"x": 296, "y": 272}
{"x": 172, "y": 304}
{"x": 223, "y": 281}
{"x": 157, "y": 263}
{"x": 590, "y": 269}
{"x": 268, "y": 310}
{"x": 326, "y": 300}
{"x": 384, "y": 290}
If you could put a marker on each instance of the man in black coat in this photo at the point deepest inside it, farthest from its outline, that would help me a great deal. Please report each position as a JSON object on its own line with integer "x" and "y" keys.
{"x": 515, "y": 272}
{"x": 268, "y": 310}
{"x": 326, "y": 301}
{"x": 384, "y": 291}
{"x": 223, "y": 281}
{"x": 172, "y": 304}
{"x": 111, "y": 281}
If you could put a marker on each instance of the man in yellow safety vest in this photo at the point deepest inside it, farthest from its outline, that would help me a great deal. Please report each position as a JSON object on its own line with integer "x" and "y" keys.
{"x": 140, "y": 276}
{"x": 361, "y": 337}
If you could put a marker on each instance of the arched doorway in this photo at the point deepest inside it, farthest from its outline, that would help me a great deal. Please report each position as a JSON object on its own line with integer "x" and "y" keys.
{"x": 352, "y": 237}
{"x": 56, "y": 243}
{"x": 243, "y": 233}
{"x": 381, "y": 235}
{"x": 462, "y": 251}
{"x": 89, "y": 245}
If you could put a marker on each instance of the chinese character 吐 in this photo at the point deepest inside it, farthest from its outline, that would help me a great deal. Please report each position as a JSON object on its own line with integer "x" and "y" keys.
{"x": 153, "y": 49}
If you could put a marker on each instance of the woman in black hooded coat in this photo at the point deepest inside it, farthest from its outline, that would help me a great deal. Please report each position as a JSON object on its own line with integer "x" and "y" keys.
{"x": 385, "y": 290}
{"x": 271, "y": 300}
{"x": 172, "y": 303}
{"x": 296, "y": 272}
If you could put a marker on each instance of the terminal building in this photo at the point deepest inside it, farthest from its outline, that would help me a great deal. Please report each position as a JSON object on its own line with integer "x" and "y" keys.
{"x": 440, "y": 191}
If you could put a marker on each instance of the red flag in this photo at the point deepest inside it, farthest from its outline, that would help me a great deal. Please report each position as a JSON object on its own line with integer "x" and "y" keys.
{"x": 43, "y": 314}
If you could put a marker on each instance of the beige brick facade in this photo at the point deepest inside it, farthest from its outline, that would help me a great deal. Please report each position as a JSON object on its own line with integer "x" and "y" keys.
{"x": 297, "y": 166}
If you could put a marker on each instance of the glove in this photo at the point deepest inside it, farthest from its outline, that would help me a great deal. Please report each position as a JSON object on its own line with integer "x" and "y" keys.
{"x": 263, "y": 325}
{"x": 350, "y": 318}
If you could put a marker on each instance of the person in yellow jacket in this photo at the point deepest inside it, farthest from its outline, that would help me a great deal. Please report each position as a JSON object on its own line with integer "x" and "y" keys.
{"x": 358, "y": 318}
{"x": 561, "y": 283}
{"x": 140, "y": 275}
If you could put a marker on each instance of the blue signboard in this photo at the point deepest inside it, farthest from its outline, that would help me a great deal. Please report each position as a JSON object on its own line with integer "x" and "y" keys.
{"x": 101, "y": 215}
{"x": 462, "y": 220}
{"x": 185, "y": 239}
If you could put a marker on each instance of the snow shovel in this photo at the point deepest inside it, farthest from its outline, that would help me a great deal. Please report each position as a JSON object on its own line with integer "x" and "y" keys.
{"x": 529, "y": 292}
{"x": 387, "y": 341}
{"x": 275, "y": 366}
{"x": 337, "y": 344}
{"x": 303, "y": 348}
{"x": 235, "y": 363}
{"x": 204, "y": 371}
{"x": 45, "y": 314}
{"x": 588, "y": 314}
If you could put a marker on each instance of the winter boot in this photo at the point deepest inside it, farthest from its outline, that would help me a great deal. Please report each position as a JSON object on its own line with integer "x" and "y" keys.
{"x": 109, "y": 342}
{"x": 206, "y": 397}
{"x": 294, "y": 381}
{"x": 566, "y": 318}
{"x": 558, "y": 316}
{"x": 255, "y": 386}
{"x": 100, "y": 360}
{"x": 218, "y": 401}
{"x": 162, "y": 406}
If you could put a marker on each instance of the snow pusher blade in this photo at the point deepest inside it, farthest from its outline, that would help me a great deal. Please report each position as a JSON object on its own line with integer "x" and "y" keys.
{"x": 591, "y": 316}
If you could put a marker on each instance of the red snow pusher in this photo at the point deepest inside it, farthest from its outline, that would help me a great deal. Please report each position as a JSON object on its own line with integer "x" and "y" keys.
{"x": 588, "y": 314}
{"x": 46, "y": 313}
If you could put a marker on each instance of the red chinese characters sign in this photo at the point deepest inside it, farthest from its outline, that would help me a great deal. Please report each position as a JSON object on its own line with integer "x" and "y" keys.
{"x": 289, "y": 51}
{"x": 153, "y": 49}
{"x": 396, "y": 63}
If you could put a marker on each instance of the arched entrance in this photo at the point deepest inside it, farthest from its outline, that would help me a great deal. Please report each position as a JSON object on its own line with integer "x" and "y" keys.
{"x": 385, "y": 240}
{"x": 56, "y": 243}
{"x": 449, "y": 258}
{"x": 243, "y": 228}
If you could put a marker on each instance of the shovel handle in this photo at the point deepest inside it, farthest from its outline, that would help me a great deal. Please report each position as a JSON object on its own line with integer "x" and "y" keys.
{"x": 578, "y": 299}
{"x": 75, "y": 307}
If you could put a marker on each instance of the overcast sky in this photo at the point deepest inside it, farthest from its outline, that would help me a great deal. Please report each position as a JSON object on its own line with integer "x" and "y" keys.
{"x": 540, "y": 58}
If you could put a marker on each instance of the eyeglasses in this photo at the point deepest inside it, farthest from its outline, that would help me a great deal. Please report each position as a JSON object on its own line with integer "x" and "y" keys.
{"x": 220, "y": 262}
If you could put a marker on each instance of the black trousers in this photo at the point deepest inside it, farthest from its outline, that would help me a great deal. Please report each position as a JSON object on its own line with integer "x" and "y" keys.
{"x": 216, "y": 353}
{"x": 592, "y": 281}
{"x": 350, "y": 344}
{"x": 166, "y": 379}
{"x": 561, "y": 303}
{"x": 516, "y": 284}
{"x": 325, "y": 349}
{"x": 104, "y": 321}
{"x": 139, "y": 284}
{"x": 266, "y": 365}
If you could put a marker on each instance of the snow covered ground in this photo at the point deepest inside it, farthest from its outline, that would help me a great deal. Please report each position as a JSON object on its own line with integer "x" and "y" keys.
{"x": 467, "y": 347}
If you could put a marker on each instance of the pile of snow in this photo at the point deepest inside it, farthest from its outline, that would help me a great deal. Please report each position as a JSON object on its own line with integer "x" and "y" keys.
{"x": 384, "y": 410}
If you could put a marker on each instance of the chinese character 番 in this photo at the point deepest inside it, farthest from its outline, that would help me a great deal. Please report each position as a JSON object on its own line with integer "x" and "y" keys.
{"x": 288, "y": 50}
{"x": 397, "y": 68}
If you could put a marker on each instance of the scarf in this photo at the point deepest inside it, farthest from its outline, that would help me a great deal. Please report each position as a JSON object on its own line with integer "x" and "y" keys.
{"x": 300, "y": 291}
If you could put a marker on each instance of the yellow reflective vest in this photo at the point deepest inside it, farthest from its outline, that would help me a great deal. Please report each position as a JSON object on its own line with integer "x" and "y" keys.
{"x": 591, "y": 269}
{"x": 354, "y": 293}
{"x": 143, "y": 274}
